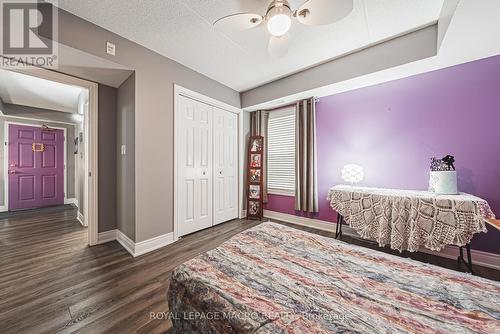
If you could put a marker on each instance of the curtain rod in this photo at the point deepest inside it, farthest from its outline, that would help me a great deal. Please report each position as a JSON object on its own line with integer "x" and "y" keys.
{"x": 316, "y": 100}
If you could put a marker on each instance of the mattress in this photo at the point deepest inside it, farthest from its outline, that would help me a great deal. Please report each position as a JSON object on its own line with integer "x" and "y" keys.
{"x": 276, "y": 279}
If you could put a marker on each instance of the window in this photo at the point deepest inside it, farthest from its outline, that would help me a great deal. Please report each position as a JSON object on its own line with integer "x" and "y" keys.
{"x": 281, "y": 152}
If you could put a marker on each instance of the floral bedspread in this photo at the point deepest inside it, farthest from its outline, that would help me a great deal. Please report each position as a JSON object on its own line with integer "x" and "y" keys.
{"x": 277, "y": 279}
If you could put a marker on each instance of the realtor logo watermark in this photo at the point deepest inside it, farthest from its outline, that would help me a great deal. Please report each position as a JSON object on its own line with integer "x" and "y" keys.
{"x": 29, "y": 29}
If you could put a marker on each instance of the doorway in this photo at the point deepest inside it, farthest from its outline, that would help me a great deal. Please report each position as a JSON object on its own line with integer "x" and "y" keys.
{"x": 37, "y": 156}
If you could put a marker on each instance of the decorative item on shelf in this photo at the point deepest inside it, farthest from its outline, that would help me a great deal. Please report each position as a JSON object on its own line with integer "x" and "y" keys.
{"x": 443, "y": 176}
{"x": 352, "y": 173}
{"x": 254, "y": 178}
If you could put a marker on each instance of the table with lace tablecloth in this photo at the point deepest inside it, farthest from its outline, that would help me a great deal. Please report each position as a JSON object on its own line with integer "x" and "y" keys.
{"x": 409, "y": 220}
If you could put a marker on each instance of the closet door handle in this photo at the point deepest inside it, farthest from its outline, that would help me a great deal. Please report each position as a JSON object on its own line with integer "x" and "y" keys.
{"x": 204, "y": 172}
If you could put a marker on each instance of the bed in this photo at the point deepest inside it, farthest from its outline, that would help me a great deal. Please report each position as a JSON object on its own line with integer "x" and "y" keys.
{"x": 276, "y": 279}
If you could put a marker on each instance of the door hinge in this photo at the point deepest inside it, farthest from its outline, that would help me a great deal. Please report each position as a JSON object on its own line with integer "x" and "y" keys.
{"x": 90, "y": 174}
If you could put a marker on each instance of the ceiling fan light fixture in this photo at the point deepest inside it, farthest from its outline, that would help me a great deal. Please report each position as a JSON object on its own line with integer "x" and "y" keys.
{"x": 279, "y": 18}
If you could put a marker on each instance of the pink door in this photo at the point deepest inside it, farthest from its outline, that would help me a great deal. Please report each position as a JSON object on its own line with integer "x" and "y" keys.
{"x": 36, "y": 167}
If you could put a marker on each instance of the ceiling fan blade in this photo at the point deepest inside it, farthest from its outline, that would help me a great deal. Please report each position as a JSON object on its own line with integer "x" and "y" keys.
{"x": 319, "y": 12}
{"x": 278, "y": 46}
{"x": 238, "y": 22}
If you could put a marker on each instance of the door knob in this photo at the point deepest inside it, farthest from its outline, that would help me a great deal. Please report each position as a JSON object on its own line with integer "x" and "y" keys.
{"x": 220, "y": 172}
{"x": 204, "y": 172}
{"x": 13, "y": 165}
{"x": 12, "y": 172}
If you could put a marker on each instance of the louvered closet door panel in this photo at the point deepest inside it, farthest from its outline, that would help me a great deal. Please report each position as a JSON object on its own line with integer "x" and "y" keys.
{"x": 225, "y": 166}
{"x": 194, "y": 163}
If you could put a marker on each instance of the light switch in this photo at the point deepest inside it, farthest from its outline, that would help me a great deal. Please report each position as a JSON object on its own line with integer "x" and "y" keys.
{"x": 124, "y": 149}
{"x": 110, "y": 48}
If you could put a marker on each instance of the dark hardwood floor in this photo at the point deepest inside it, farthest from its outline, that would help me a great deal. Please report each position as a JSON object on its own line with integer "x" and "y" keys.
{"x": 51, "y": 281}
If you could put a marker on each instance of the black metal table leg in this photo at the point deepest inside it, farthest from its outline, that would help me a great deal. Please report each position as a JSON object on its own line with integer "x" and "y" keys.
{"x": 461, "y": 259}
{"x": 338, "y": 228}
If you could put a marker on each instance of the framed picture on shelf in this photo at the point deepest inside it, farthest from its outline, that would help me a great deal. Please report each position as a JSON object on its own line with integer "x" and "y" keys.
{"x": 254, "y": 191}
{"x": 254, "y": 208}
{"x": 255, "y": 175}
{"x": 255, "y": 160}
{"x": 256, "y": 145}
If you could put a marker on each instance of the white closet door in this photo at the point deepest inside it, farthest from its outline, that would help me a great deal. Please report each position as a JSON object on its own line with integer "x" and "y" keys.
{"x": 225, "y": 166}
{"x": 194, "y": 166}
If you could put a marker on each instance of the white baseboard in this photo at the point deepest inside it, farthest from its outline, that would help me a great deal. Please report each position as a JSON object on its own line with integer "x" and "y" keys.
{"x": 126, "y": 242}
{"x": 481, "y": 258}
{"x": 243, "y": 214}
{"x": 71, "y": 201}
{"x": 152, "y": 244}
{"x": 304, "y": 221}
{"x": 4, "y": 208}
{"x": 80, "y": 218}
{"x": 139, "y": 248}
{"x": 107, "y": 236}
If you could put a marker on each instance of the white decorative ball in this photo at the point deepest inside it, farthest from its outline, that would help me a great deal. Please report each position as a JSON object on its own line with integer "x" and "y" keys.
{"x": 353, "y": 173}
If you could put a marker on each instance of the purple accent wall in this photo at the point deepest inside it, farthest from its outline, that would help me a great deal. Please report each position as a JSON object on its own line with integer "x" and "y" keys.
{"x": 392, "y": 130}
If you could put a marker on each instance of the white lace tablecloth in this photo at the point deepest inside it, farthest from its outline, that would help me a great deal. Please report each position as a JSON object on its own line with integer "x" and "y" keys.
{"x": 408, "y": 220}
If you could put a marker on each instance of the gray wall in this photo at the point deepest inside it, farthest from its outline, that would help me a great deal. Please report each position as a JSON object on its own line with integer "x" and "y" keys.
{"x": 401, "y": 50}
{"x": 107, "y": 157}
{"x": 70, "y": 157}
{"x": 155, "y": 77}
{"x": 125, "y": 163}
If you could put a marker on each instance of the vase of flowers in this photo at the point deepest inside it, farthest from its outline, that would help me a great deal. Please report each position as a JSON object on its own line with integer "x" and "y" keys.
{"x": 443, "y": 178}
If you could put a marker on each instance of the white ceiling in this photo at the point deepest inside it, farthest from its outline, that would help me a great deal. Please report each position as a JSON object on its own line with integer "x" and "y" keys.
{"x": 26, "y": 90}
{"x": 474, "y": 33}
{"x": 182, "y": 30}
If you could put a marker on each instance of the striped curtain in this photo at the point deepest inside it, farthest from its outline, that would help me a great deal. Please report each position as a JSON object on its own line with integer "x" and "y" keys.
{"x": 258, "y": 127}
{"x": 306, "y": 180}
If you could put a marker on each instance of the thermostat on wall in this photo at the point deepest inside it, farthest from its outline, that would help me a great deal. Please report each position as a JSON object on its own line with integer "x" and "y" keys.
{"x": 110, "y": 48}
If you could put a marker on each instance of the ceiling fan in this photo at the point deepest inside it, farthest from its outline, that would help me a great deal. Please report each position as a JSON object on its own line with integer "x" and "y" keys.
{"x": 278, "y": 19}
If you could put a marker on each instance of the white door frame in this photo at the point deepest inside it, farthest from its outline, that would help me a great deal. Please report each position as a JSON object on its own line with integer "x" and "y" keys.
{"x": 90, "y": 207}
{"x": 6, "y": 158}
{"x": 181, "y": 91}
